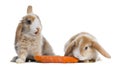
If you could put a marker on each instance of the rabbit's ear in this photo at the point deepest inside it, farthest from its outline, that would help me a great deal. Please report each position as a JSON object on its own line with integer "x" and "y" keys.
{"x": 29, "y": 9}
{"x": 19, "y": 31}
{"x": 70, "y": 48}
{"x": 101, "y": 50}
{"x": 71, "y": 45}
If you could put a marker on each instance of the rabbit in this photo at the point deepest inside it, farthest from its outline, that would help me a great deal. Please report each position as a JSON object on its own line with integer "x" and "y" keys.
{"x": 29, "y": 40}
{"x": 84, "y": 47}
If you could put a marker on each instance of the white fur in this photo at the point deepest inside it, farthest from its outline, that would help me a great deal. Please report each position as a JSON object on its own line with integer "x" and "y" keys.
{"x": 36, "y": 19}
{"x": 34, "y": 26}
{"x": 20, "y": 60}
{"x": 76, "y": 52}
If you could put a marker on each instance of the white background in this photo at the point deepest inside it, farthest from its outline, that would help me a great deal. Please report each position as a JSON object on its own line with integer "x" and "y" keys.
{"x": 62, "y": 19}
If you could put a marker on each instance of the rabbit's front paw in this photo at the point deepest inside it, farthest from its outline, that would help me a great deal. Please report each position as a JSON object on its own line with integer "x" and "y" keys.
{"x": 19, "y": 60}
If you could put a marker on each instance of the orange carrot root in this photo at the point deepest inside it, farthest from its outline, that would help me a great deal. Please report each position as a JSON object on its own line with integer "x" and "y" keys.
{"x": 55, "y": 59}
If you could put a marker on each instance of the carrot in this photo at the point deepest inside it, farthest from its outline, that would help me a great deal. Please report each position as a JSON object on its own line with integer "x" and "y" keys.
{"x": 55, "y": 59}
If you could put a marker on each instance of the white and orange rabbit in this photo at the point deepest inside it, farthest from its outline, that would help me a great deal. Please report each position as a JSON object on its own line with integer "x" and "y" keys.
{"x": 29, "y": 40}
{"x": 84, "y": 47}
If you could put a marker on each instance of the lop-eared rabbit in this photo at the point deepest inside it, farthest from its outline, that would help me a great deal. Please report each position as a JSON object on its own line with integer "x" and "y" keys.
{"x": 84, "y": 47}
{"x": 29, "y": 40}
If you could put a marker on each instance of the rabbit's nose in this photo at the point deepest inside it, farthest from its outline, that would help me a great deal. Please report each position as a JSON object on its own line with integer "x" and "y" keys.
{"x": 37, "y": 31}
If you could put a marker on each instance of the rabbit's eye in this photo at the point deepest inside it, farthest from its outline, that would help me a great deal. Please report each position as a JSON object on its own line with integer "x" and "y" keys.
{"x": 28, "y": 22}
{"x": 86, "y": 48}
